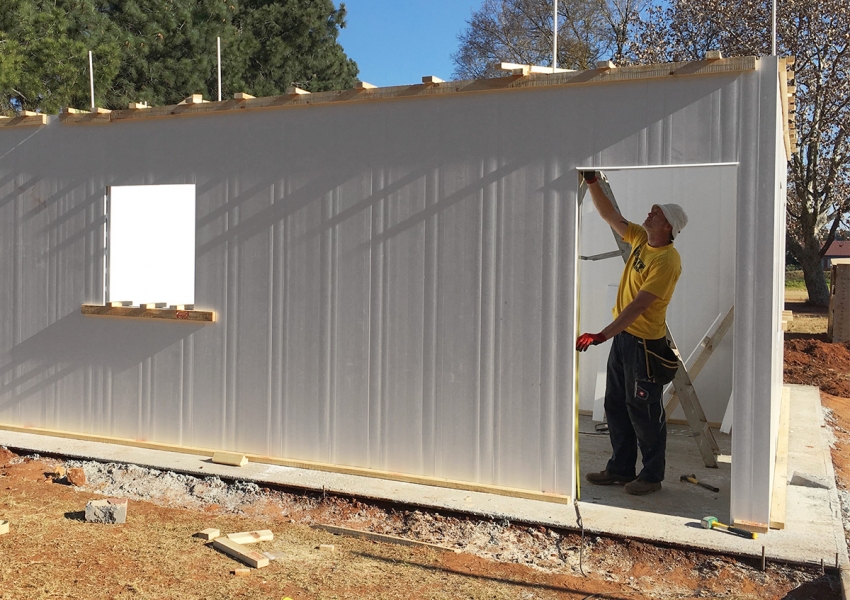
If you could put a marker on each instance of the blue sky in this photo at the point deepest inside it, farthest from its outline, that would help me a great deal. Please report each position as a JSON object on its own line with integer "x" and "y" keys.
{"x": 397, "y": 42}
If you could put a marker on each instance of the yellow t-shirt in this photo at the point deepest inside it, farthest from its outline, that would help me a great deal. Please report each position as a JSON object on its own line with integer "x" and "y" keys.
{"x": 654, "y": 270}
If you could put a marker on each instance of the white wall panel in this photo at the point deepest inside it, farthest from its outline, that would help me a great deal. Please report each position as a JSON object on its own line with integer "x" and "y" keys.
{"x": 394, "y": 281}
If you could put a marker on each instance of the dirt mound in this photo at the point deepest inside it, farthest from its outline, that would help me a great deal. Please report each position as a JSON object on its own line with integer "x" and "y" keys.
{"x": 819, "y": 363}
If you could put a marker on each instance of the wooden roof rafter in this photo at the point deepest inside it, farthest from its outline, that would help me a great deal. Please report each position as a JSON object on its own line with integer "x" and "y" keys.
{"x": 430, "y": 87}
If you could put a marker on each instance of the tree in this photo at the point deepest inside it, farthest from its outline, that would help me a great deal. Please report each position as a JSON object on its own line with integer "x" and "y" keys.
{"x": 168, "y": 49}
{"x": 161, "y": 51}
{"x": 521, "y": 31}
{"x": 44, "y": 59}
{"x": 817, "y": 33}
{"x": 293, "y": 42}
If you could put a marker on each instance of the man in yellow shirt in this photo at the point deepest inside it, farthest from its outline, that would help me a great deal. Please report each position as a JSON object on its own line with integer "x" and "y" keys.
{"x": 633, "y": 405}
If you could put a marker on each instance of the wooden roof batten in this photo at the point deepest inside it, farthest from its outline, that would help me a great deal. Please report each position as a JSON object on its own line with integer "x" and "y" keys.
{"x": 606, "y": 72}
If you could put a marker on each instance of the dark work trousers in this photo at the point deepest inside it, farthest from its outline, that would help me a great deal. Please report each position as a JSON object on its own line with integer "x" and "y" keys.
{"x": 634, "y": 410}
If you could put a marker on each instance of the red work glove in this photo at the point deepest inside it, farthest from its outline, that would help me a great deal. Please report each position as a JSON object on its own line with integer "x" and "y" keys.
{"x": 586, "y": 340}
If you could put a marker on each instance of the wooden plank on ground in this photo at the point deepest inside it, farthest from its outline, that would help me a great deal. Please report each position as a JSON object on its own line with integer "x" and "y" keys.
{"x": 379, "y": 537}
{"x": 251, "y": 537}
{"x": 751, "y": 526}
{"x": 252, "y": 558}
{"x": 208, "y": 534}
{"x": 780, "y": 469}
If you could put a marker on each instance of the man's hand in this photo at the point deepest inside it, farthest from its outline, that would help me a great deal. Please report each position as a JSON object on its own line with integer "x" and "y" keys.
{"x": 586, "y": 340}
{"x": 589, "y": 176}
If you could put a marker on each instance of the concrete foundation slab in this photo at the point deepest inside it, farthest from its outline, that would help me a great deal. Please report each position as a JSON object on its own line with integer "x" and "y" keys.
{"x": 813, "y": 533}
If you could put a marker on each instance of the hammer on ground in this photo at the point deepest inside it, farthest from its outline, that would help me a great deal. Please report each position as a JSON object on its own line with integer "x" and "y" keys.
{"x": 712, "y": 522}
{"x": 693, "y": 479}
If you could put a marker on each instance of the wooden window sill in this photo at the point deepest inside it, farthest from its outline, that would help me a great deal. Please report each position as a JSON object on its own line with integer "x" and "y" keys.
{"x": 196, "y": 316}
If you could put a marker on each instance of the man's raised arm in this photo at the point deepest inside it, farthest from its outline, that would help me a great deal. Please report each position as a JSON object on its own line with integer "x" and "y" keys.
{"x": 603, "y": 204}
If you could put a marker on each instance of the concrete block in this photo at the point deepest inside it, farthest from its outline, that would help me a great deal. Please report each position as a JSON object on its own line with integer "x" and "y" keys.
{"x": 109, "y": 510}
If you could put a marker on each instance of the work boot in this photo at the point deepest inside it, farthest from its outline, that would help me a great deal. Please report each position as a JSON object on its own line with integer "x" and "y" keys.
{"x": 607, "y": 478}
{"x": 641, "y": 487}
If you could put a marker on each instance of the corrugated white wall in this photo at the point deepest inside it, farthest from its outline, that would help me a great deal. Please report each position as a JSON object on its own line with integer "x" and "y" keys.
{"x": 394, "y": 280}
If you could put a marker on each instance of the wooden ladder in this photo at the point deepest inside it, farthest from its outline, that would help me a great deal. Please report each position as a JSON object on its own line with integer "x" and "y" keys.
{"x": 682, "y": 383}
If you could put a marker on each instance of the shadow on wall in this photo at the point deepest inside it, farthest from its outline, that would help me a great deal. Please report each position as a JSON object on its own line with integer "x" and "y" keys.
{"x": 76, "y": 342}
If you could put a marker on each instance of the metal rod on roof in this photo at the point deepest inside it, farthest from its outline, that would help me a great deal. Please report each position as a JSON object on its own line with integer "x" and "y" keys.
{"x": 773, "y": 31}
{"x": 91, "y": 81}
{"x": 555, "y": 39}
{"x": 218, "y": 55}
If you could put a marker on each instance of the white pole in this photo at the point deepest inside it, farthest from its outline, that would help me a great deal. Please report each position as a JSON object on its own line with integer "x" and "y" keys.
{"x": 555, "y": 39}
{"x": 773, "y": 36}
{"x": 218, "y": 53}
{"x": 91, "y": 82}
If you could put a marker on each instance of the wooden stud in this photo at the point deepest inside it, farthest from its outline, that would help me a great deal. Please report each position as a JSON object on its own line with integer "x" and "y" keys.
{"x": 523, "y": 70}
{"x": 154, "y": 305}
{"x": 72, "y": 111}
{"x": 194, "y": 99}
{"x": 182, "y": 307}
{"x": 751, "y": 526}
{"x": 713, "y": 55}
{"x": 242, "y": 96}
{"x": 4, "y": 527}
{"x": 252, "y": 558}
{"x": 208, "y": 534}
{"x": 100, "y": 111}
{"x": 430, "y": 79}
{"x": 234, "y": 459}
{"x": 114, "y": 303}
{"x": 241, "y": 572}
{"x": 780, "y": 471}
{"x": 251, "y": 537}
{"x": 296, "y": 91}
{"x": 515, "y": 69}
{"x": 379, "y": 537}
{"x": 327, "y": 547}
{"x": 362, "y": 85}
{"x": 26, "y": 118}
{"x": 138, "y": 105}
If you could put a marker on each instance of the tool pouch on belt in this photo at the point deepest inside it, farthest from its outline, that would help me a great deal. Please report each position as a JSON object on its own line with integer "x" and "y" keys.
{"x": 661, "y": 361}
